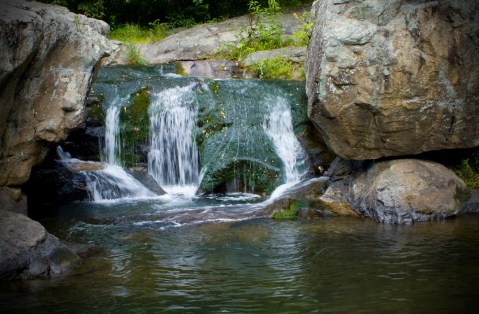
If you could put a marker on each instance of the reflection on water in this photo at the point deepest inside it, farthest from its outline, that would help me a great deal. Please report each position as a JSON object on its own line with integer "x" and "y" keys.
{"x": 323, "y": 265}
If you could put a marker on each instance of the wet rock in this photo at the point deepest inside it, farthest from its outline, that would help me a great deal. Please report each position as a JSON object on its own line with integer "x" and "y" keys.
{"x": 142, "y": 175}
{"x": 305, "y": 200}
{"x": 234, "y": 148}
{"x": 48, "y": 58}
{"x": 472, "y": 205}
{"x": 51, "y": 184}
{"x": 381, "y": 81}
{"x": 27, "y": 250}
{"x": 216, "y": 68}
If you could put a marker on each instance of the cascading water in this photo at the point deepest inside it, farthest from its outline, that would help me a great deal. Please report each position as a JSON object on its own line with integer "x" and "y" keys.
{"x": 107, "y": 182}
{"x": 173, "y": 156}
{"x": 279, "y": 128}
{"x": 113, "y": 182}
{"x": 112, "y": 139}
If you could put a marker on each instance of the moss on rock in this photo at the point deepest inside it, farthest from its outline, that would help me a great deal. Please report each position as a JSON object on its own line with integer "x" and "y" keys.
{"x": 290, "y": 211}
{"x": 135, "y": 127}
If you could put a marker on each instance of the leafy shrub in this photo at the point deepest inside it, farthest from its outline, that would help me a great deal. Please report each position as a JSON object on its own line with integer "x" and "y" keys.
{"x": 301, "y": 36}
{"x": 469, "y": 170}
{"x": 262, "y": 33}
{"x": 278, "y": 68}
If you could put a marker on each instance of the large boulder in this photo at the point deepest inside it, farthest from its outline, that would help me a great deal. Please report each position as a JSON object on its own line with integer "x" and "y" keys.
{"x": 27, "y": 250}
{"x": 390, "y": 78}
{"x": 401, "y": 191}
{"x": 48, "y": 57}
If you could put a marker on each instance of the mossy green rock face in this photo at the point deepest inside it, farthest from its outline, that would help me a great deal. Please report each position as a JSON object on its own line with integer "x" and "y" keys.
{"x": 234, "y": 148}
{"x": 235, "y": 153}
{"x": 135, "y": 127}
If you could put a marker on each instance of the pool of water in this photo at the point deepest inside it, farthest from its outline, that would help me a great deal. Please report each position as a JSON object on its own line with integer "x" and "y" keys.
{"x": 149, "y": 264}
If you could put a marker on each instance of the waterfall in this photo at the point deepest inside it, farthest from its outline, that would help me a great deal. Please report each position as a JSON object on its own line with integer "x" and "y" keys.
{"x": 113, "y": 182}
{"x": 279, "y": 128}
{"x": 112, "y": 139}
{"x": 105, "y": 181}
{"x": 173, "y": 156}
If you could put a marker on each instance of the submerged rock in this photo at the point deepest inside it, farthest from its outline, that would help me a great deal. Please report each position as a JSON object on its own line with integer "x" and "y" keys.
{"x": 394, "y": 78}
{"x": 400, "y": 191}
{"x": 304, "y": 199}
{"x": 27, "y": 250}
{"x": 47, "y": 58}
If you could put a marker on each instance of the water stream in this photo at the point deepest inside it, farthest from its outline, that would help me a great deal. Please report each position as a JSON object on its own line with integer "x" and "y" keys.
{"x": 112, "y": 134}
{"x": 173, "y": 155}
{"x": 198, "y": 253}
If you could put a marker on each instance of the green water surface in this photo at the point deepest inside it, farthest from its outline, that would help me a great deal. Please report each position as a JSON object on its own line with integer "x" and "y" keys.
{"x": 323, "y": 265}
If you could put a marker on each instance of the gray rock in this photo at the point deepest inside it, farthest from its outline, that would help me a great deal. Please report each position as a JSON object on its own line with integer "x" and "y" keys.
{"x": 27, "y": 250}
{"x": 12, "y": 199}
{"x": 392, "y": 78}
{"x": 142, "y": 175}
{"x": 47, "y": 58}
{"x": 215, "y": 68}
{"x": 289, "y": 54}
{"x": 472, "y": 205}
{"x": 400, "y": 191}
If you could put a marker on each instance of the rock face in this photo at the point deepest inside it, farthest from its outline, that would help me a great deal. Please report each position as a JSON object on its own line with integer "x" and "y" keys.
{"x": 394, "y": 78}
{"x": 27, "y": 250}
{"x": 47, "y": 58}
{"x": 400, "y": 191}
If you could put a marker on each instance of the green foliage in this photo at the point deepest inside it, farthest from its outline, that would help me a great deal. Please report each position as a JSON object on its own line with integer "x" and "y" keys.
{"x": 178, "y": 13}
{"x": 134, "y": 56}
{"x": 302, "y": 36}
{"x": 469, "y": 170}
{"x": 135, "y": 126}
{"x": 263, "y": 32}
{"x": 278, "y": 68}
{"x": 131, "y": 33}
{"x": 95, "y": 112}
{"x": 93, "y": 8}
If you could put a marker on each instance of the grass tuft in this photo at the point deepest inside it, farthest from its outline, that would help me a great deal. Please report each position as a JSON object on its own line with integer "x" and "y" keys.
{"x": 131, "y": 33}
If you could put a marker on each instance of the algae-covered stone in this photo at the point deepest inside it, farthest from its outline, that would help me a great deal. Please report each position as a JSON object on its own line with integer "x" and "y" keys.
{"x": 234, "y": 147}
{"x": 135, "y": 127}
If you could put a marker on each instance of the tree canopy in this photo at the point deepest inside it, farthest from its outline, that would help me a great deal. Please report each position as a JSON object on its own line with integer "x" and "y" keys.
{"x": 175, "y": 12}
